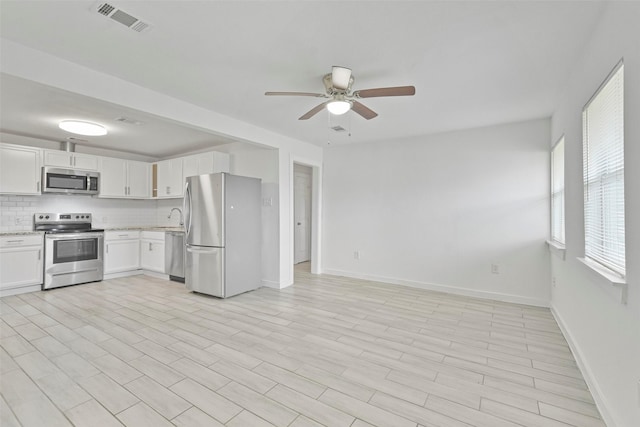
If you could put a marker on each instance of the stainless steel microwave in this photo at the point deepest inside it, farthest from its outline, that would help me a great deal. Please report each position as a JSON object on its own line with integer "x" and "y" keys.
{"x": 68, "y": 181}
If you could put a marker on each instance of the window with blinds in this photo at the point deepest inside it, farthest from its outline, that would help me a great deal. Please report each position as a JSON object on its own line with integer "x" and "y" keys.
{"x": 557, "y": 192}
{"x": 603, "y": 146}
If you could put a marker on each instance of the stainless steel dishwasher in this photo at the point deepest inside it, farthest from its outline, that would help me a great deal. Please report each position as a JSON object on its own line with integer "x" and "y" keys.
{"x": 174, "y": 254}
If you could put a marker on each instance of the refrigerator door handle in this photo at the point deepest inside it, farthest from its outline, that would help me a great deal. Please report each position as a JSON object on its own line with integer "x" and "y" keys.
{"x": 187, "y": 208}
{"x": 201, "y": 250}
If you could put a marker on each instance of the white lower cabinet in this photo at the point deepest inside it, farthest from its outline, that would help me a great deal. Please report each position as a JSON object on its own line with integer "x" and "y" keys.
{"x": 152, "y": 251}
{"x": 121, "y": 251}
{"x": 21, "y": 261}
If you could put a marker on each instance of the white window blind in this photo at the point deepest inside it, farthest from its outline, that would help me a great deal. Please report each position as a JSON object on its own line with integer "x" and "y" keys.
{"x": 603, "y": 145}
{"x": 557, "y": 192}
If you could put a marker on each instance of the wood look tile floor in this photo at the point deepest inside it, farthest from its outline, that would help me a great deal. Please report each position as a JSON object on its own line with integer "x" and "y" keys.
{"x": 330, "y": 351}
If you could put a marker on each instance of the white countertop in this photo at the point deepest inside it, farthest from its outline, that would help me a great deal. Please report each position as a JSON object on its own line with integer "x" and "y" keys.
{"x": 143, "y": 228}
{"x": 20, "y": 233}
{"x": 139, "y": 228}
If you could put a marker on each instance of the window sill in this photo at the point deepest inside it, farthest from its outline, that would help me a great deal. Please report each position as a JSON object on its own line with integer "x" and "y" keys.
{"x": 611, "y": 280}
{"x": 558, "y": 249}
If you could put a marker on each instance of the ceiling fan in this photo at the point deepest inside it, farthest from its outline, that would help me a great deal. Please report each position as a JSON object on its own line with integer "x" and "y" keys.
{"x": 338, "y": 90}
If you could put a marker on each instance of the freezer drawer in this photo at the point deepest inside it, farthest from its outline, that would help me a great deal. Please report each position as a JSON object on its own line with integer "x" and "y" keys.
{"x": 204, "y": 270}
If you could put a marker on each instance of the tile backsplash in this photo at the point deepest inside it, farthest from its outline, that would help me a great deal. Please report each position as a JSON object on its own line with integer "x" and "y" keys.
{"x": 16, "y": 212}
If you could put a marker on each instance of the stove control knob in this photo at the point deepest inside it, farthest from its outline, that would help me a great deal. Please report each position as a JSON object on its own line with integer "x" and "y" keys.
{"x": 77, "y": 216}
{"x": 46, "y": 217}
{"x": 82, "y": 216}
{"x": 40, "y": 217}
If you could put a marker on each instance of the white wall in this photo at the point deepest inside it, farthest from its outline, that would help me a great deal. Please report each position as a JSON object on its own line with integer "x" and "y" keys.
{"x": 263, "y": 164}
{"x": 27, "y": 63}
{"x": 437, "y": 211}
{"x": 604, "y": 334}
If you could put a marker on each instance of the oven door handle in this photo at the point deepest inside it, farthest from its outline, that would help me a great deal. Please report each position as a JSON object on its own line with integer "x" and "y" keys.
{"x": 74, "y": 236}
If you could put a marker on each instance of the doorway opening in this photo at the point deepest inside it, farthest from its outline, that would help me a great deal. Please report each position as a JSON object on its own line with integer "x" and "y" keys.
{"x": 302, "y": 214}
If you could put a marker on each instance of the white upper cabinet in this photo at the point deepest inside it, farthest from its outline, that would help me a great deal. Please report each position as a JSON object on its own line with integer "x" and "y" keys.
{"x": 139, "y": 179}
{"x": 124, "y": 178}
{"x": 171, "y": 174}
{"x": 68, "y": 160}
{"x": 19, "y": 169}
{"x": 113, "y": 177}
{"x": 170, "y": 180}
{"x": 221, "y": 162}
{"x": 200, "y": 164}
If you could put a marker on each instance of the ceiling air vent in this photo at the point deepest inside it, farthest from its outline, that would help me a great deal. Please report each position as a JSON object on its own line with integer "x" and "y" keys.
{"x": 127, "y": 120}
{"x": 338, "y": 128}
{"x": 118, "y": 15}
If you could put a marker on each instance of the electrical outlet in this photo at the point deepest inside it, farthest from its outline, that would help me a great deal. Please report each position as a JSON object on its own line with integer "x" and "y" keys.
{"x": 356, "y": 254}
{"x": 495, "y": 269}
{"x": 18, "y": 220}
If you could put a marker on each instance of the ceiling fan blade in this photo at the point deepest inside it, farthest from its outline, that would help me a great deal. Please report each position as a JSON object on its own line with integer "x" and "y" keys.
{"x": 317, "y": 95}
{"x": 340, "y": 77}
{"x": 363, "y": 110}
{"x": 386, "y": 91}
{"x": 315, "y": 110}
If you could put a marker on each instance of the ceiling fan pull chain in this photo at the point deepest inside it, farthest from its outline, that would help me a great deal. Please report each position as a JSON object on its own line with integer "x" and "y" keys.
{"x": 328, "y": 127}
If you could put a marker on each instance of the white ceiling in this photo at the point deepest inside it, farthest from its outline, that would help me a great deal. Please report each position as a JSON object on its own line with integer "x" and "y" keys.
{"x": 29, "y": 109}
{"x": 473, "y": 63}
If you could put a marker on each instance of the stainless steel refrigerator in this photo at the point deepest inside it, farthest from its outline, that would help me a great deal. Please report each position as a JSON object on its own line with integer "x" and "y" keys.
{"x": 223, "y": 224}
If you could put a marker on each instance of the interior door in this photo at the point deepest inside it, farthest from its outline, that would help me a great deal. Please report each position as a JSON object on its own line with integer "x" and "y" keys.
{"x": 302, "y": 214}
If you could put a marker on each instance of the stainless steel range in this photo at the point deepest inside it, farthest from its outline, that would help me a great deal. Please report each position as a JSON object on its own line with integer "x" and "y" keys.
{"x": 73, "y": 251}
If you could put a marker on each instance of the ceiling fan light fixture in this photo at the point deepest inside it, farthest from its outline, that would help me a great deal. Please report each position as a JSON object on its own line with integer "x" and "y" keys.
{"x": 338, "y": 107}
{"x": 82, "y": 128}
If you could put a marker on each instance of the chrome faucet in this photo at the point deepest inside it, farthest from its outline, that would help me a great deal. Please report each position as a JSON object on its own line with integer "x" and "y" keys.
{"x": 181, "y": 217}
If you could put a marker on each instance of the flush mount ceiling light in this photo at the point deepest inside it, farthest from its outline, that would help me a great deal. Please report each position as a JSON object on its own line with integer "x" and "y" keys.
{"x": 82, "y": 128}
{"x": 338, "y": 107}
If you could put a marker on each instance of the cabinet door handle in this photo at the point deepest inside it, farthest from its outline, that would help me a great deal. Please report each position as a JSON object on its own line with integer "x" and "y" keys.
{"x": 38, "y": 186}
{"x": 39, "y": 254}
{"x": 150, "y": 247}
{"x": 15, "y": 241}
{"x": 106, "y": 248}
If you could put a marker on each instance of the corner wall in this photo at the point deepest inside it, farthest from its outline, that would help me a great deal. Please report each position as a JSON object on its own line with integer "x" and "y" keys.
{"x": 437, "y": 211}
{"x": 263, "y": 164}
{"x": 603, "y": 333}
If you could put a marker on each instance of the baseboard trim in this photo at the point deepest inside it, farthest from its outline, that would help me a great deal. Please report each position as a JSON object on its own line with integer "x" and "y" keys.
{"x": 121, "y": 274}
{"x": 516, "y": 299}
{"x": 271, "y": 284}
{"x": 587, "y": 373}
{"x": 20, "y": 290}
{"x": 155, "y": 274}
